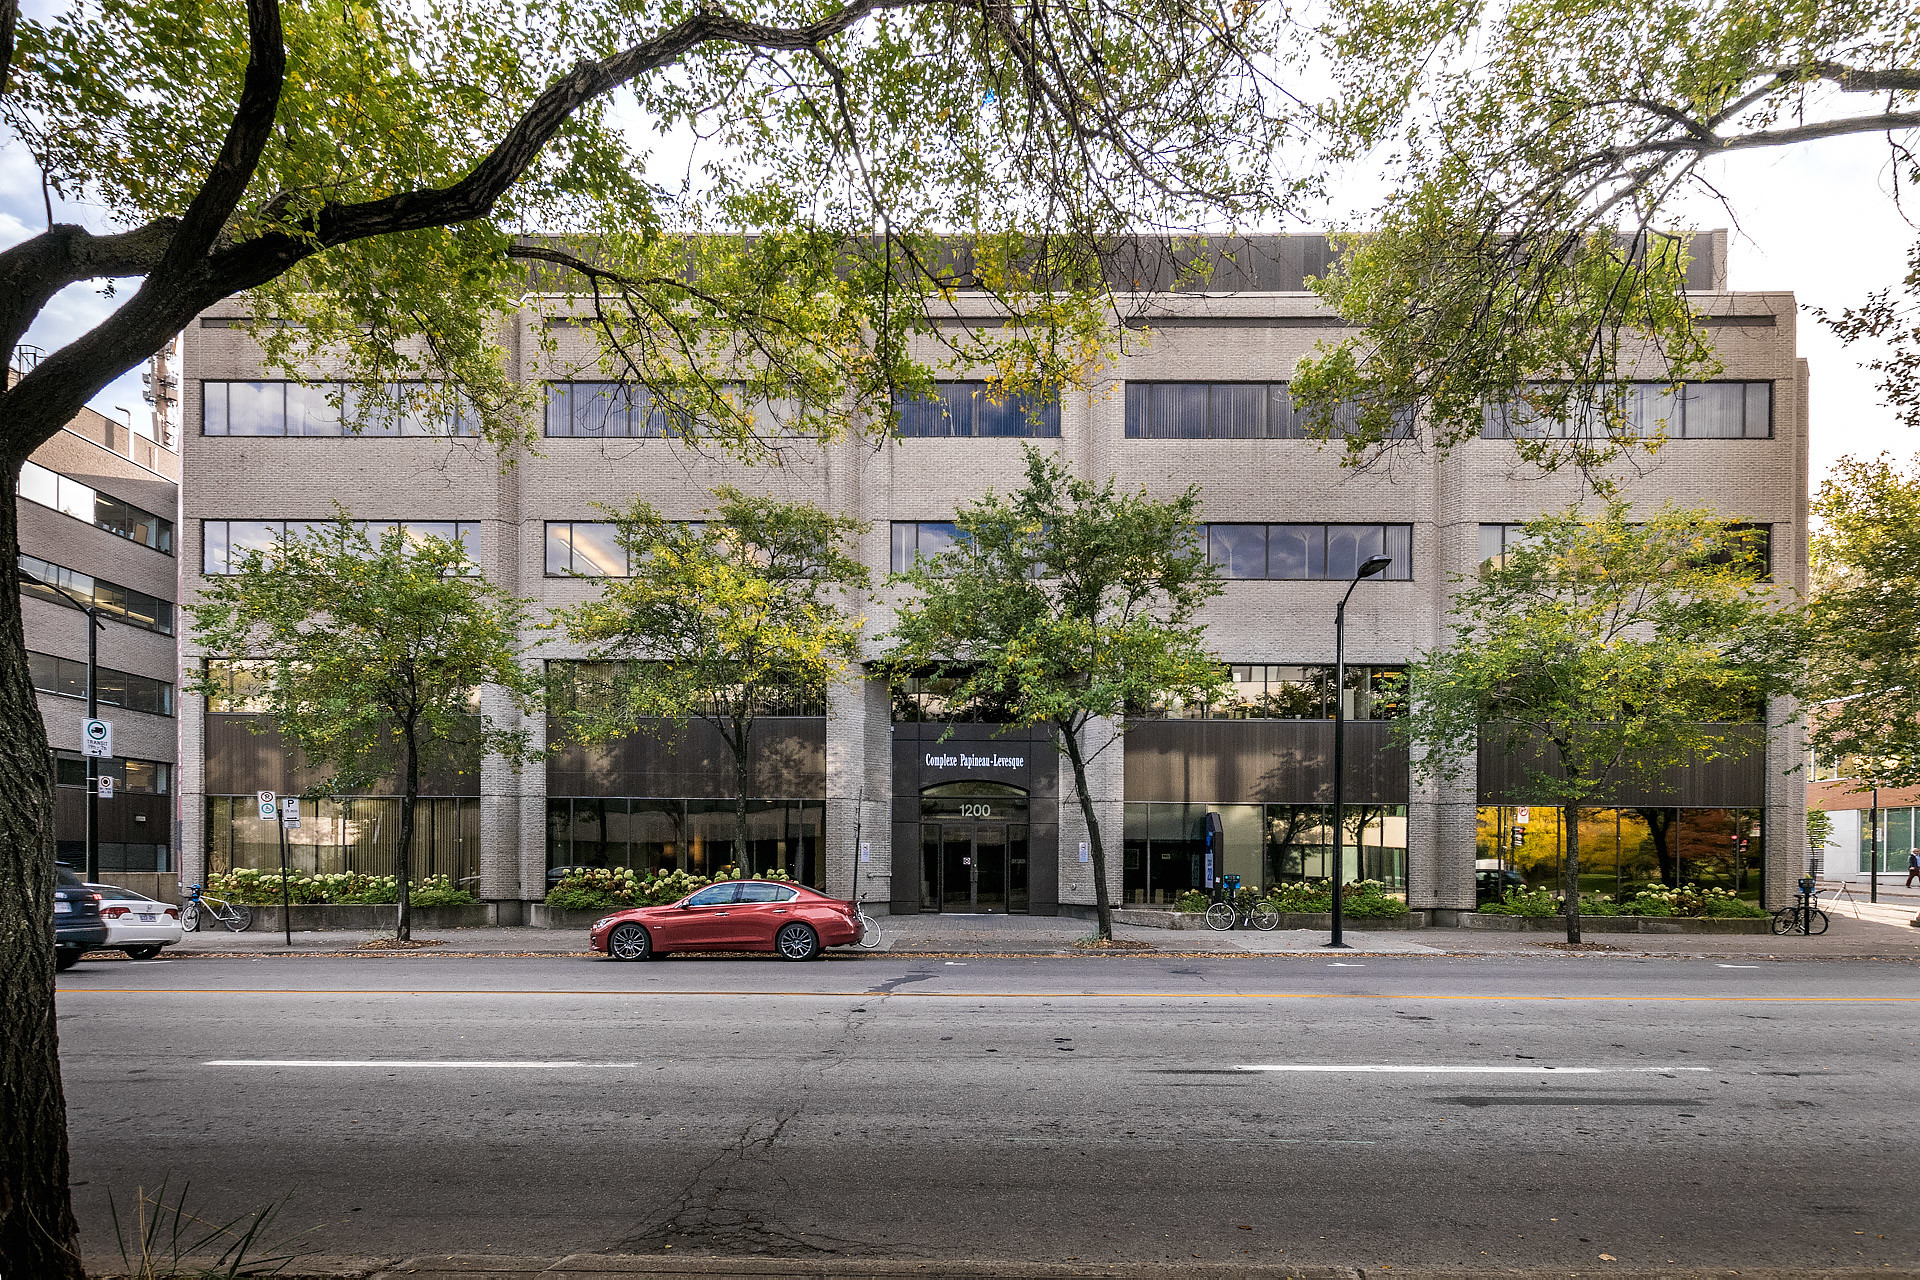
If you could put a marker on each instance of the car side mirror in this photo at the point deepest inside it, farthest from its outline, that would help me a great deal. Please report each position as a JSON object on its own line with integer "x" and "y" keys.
{"x": 686, "y": 906}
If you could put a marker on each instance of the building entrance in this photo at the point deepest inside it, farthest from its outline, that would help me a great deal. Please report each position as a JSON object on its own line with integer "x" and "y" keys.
{"x": 973, "y": 848}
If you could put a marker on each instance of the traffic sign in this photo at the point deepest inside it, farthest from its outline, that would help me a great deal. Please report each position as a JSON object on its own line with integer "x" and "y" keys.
{"x": 290, "y": 812}
{"x": 106, "y": 786}
{"x": 268, "y": 809}
{"x": 96, "y": 738}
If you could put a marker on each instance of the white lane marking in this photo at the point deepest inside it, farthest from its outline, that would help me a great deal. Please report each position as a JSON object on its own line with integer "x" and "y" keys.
{"x": 1412, "y": 1069}
{"x": 402, "y": 1062}
{"x": 956, "y": 964}
{"x": 1736, "y": 966}
{"x": 1341, "y": 964}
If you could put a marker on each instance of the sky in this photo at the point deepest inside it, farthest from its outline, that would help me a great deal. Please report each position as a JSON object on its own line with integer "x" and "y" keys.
{"x": 1815, "y": 220}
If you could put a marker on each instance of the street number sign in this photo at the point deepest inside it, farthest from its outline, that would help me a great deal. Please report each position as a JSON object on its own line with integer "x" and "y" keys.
{"x": 106, "y": 786}
{"x": 96, "y": 738}
{"x": 268, "y": 809}
{"x": 290, "y": 812}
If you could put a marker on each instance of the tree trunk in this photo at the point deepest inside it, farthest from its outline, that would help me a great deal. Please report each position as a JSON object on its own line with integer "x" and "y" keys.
{"x": 1660, "y": 827}
{"x": 1572, "y": 907}
{"x": 403, "y": 857}
{"x": 1103, "y": 908}
{"x": 38, "y": 1234}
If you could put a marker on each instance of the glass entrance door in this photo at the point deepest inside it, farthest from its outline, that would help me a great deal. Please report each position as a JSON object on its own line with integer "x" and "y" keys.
{"x": 969, "y": 866}
{"x": 956, "y": 866}
{"x": 990, "y": 868}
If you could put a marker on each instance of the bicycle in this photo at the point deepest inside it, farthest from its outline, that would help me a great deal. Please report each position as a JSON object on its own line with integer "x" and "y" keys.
{"x": 235, "y": 915}
{"x": 1260, "y": 913}
{"x": 1803, "y": 917}
{"x": 869, "y": 927}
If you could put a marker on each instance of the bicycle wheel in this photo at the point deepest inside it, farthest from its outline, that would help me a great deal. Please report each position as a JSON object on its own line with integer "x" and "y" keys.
{"x": 1266, "y": 916}
{"x": 1219, "y": 916}
{"x": 237, "y": 917}
{"x": 869, "y": 931}
{"x": 190, "y": 917}
{"x": 1783, "y": 921}
{"x": 1819, "y": 922}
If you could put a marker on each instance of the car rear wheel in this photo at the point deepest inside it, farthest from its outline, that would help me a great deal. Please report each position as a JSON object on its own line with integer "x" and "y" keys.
{"x": 797, "y": 941}
{"x": 629, "y": 942}
{"x": 143, "y": 953}
{"x": 64, "y": 958}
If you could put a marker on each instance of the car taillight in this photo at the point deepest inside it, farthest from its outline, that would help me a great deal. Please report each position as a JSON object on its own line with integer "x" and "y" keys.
{"x": 113, "y": 913}
{"x": 173, "y": 912}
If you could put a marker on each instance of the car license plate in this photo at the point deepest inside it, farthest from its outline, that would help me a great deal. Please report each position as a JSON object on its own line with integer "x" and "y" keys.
{"x": 148, "y": 919}
{"x": 62, "y": 908}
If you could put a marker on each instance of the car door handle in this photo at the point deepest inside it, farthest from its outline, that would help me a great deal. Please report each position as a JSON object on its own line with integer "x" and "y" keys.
{"x": 719, "y": 913}
{"x": 779, "y": 911}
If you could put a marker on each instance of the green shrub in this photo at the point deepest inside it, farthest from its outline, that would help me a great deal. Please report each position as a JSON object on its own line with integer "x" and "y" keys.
{"x": 438, "y": 891}
{"x": 1732, "y": 908}
{"x": 594, "y": 888}
{"x": 1367, "y": 899}
{"x": 1523, "y": 902}
{"x": 1192, "y": 900}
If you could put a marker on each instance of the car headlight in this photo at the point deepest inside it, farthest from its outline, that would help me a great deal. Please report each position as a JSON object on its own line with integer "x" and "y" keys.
{"x": 602, "y": 923}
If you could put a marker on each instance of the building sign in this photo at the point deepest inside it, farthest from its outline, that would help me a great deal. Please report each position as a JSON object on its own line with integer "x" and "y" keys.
{"x": 968, "y": 760}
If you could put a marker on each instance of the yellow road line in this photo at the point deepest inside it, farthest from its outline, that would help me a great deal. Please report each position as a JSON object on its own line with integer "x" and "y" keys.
{"x": 996, "y": 995}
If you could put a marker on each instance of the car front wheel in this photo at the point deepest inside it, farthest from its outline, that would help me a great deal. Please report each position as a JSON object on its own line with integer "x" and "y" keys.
{"x": 797, "y": 941}
{"x": 65, "y": 958}
{"x": 629, "y": 942}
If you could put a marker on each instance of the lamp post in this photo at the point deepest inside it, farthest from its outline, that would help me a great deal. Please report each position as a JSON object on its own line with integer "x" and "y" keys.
{"x": 1374, "y": 565}
{"x": 1873, "y": 863}
{"x": 94, "y": 627}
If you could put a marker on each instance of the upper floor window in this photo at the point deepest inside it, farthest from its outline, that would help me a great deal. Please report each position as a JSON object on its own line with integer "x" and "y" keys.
{"x": 977, "y": 409}
{"x": 224, "y": 544}
{"x": 1687, "y": 411}
{"x": 1496, "y": 540}
{"x": 101, "y": 510}
{"x": 915, "y": 538}
{"x": 135, "y": 777}
{"x": 1231, "y": 411}
{"x": 1276, "y": 691}
{"x": 1307, "y": 552}
{"x": 325, "y": 409}
{"x": 135, "y": 608}
{"x": 934, "y": 696}
{"x": 606, "y": 410}
{"x": 579, "y": 682}
{"x": 67, "y": 678}
{"x": 592, "y": 548}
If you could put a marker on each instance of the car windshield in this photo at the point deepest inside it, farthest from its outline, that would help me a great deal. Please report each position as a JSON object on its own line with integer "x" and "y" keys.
{"x": 713, "y": 895}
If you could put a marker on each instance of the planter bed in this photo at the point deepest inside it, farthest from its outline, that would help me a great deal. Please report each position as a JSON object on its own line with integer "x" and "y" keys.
{"x": 1155, "y": 918}
{"x": 1615, "y": 924}
{"x": 322, "y": 917}
{"x": 546, "y": 917}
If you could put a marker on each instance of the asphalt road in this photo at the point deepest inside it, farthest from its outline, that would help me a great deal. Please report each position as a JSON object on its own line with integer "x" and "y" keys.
{"x": 1546, "y": 1110}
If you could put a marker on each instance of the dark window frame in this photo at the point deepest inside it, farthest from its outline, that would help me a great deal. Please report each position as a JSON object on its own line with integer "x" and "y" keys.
{"x": 59, "y": 677}
{"x": 111, "y": 515}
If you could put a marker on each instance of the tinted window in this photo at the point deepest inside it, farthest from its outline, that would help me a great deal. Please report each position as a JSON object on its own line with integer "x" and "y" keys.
{"x": 755, "y": 891}
{"x": 713, "y": 895}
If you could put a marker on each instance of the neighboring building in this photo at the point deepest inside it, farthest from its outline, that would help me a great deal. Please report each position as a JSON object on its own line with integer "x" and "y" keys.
{"x": 1853, "y": 804}
{"x": 866, "y": 799}
{"x": 98, "y": 508}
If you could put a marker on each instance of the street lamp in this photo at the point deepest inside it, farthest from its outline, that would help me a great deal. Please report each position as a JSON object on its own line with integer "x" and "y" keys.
{"x": 94, "y": 626}
{"x": 1373, "y": 566}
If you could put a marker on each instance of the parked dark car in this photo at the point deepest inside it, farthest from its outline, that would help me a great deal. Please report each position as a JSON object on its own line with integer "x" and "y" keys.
{"x": 734, "y": 915}
{"x": 77, "y": 925}
{"x": 1491, "y": 881}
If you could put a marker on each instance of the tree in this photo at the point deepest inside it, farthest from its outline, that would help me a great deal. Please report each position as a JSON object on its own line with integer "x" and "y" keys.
{"x": 722, "y": 620}
{"x": 371, "y": 656}
{"x": 1066, "y": 603}
{"x": 1535, "y": 150}
{"x": 1866, "y": 620}
{"x": 386, "y": 184}
{"x": 1604, "y": 651}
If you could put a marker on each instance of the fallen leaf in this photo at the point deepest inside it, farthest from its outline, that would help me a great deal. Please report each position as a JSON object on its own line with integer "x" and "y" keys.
{"x": 1607, "y": 1257}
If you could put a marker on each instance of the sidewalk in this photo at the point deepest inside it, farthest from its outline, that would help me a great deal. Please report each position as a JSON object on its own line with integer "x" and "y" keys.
{"x": 1877, "y": 932}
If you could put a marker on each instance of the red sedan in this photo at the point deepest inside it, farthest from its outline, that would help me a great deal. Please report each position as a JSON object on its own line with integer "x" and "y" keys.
{"x": 735, "y": 915}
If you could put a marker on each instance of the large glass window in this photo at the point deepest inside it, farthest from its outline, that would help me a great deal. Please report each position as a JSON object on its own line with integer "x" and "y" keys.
{"x": 1496, "y": 540}
{"x": 133, "y": 777}
{"x": 970, "y": 408}
{"x": 67, "y": 678}
{"x": 135, "y": 608}
{"x": 1622, "y": 850}
{"x": 1283, "y": 691}
{"x": 101, "y": 510}
{"x": 1307, "y": 551}
{"x": 1232, "y": 411}
{"x": 356, "y": 833}
{"x": 224, "y": 544}
{"x": 328, "y": 409}
{"x": 1688, "y": 411}
{"x": 700, "y": 837}
{"x": 1165, "y": 846}
{"x": 915, "y": 538}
